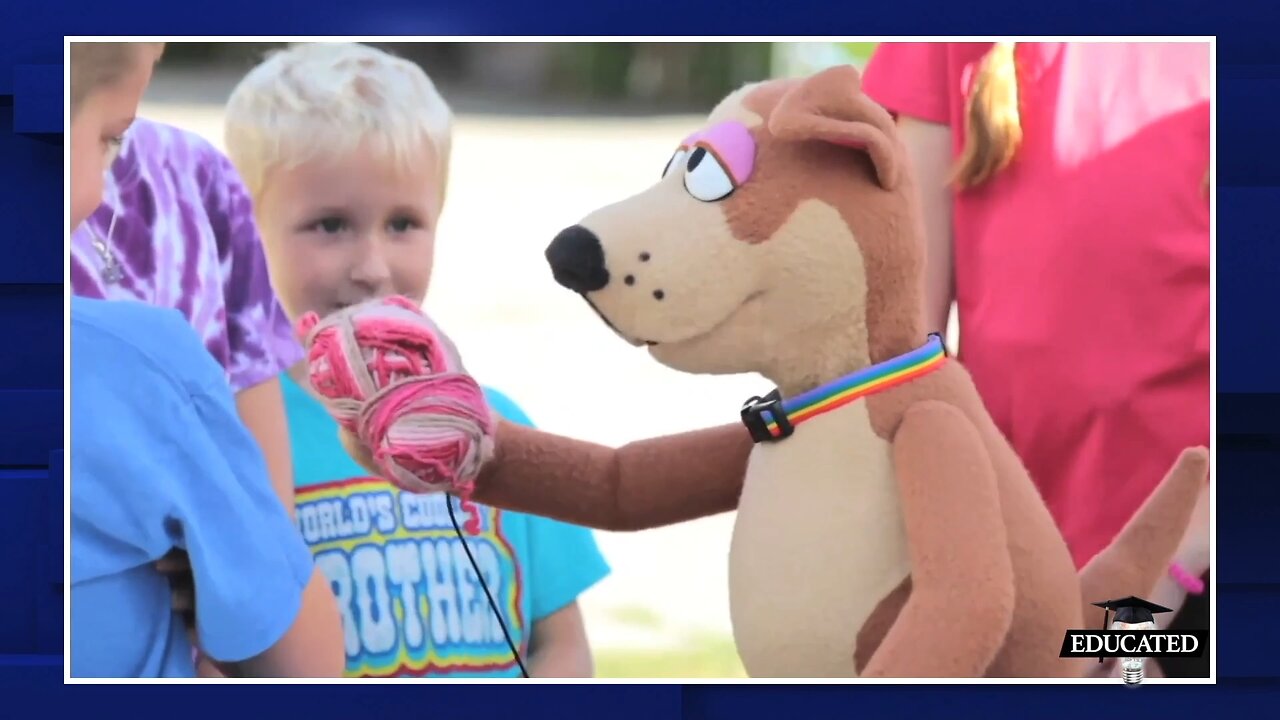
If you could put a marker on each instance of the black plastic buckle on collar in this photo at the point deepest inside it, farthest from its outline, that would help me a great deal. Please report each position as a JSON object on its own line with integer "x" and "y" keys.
{"x": 753, "y": 417}
{"x": 943, "y": 341}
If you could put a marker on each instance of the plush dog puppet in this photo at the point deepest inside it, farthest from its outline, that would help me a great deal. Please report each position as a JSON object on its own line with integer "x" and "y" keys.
{"x": 885, "y": 528}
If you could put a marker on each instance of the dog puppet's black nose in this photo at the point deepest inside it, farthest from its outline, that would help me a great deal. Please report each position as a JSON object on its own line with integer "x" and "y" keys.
{"x": 577, "y": 260}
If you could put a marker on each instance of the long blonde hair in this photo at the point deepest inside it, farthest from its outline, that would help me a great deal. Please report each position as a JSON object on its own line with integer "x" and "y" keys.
{"x": 993, "y": 129}
{"x": 993, "y": 124}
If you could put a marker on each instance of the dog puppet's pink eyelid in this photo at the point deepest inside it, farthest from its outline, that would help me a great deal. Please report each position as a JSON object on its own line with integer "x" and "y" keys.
{"x": 732, "y": 143}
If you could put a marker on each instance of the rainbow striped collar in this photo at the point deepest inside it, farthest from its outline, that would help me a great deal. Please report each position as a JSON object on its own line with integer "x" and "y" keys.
{"x": 771, "y": 418}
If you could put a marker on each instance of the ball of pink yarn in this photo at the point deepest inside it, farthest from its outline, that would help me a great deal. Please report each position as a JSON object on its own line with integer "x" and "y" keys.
{"x": 393, "y": 380}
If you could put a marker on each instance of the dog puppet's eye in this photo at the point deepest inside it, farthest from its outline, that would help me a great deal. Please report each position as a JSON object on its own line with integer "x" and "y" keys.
{"x": 705, "y": 178}
{"x": 676, "y": 161}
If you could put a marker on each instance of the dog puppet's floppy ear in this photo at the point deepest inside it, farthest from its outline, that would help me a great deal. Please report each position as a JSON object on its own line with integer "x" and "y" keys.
{"x": 830, "y": 106}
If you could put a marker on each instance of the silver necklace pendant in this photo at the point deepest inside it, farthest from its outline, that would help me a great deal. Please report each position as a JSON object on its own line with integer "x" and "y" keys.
{"x": 111, "y": 273}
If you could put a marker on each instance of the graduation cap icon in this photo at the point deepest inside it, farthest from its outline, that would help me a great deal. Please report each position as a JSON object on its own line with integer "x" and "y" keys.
{"x": 1131, "y": 610}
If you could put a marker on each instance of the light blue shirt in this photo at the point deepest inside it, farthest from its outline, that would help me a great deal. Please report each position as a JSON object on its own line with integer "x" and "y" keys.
{"x": 161, "y": 460}
{"x": 410, "y": 600}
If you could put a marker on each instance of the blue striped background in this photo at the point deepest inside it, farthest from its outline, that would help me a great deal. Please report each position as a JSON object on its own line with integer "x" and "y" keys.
{"x": 1248, "y": 260}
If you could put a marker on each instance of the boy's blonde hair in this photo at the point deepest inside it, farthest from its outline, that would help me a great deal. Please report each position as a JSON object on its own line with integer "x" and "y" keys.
{"x": 328, "y": 99}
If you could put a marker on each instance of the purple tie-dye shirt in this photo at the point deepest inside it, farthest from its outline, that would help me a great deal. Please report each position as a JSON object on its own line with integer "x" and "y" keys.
{"x": 184, "y": 237}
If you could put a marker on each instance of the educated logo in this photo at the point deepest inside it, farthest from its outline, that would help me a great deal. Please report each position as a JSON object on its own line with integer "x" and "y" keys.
{"x": 1132, "y": 636}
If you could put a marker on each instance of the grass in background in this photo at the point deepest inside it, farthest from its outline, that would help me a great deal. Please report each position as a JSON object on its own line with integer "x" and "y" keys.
{"x": 703, "y": 656}
{"x": 860, "y": 50}
{"x": 637, "y": 616}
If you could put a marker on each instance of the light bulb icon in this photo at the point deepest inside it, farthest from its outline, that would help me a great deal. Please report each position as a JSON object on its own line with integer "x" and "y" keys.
{"x": 1132, "y": 669}
{"x": 1132, "y": 614}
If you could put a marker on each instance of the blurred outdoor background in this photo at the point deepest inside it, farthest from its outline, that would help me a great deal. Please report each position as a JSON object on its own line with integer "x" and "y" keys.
{"x": 546, "y": 133}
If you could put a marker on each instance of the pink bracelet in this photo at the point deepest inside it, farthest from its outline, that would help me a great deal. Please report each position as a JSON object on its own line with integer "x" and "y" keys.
{"x": 1192, "y": 584}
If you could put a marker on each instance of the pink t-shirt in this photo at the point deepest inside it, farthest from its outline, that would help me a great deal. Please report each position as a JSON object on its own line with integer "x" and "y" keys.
{"x": 1082, "y": 270}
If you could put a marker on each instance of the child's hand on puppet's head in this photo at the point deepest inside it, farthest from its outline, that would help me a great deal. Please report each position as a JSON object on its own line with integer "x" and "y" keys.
{"x": 394, "y": 382}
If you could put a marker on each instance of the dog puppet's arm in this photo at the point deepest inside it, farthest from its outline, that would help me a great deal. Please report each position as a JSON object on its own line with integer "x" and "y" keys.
{"x": 962, "y": 586}
{"x": 644, "y": 484}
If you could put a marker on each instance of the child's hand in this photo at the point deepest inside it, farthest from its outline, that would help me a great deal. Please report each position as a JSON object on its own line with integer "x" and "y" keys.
{"x": 1192, "y": 554}
{"x": 176, "y": 567}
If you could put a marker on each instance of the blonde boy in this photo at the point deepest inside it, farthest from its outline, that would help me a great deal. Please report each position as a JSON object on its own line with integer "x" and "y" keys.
{"x": 345, "y": 150}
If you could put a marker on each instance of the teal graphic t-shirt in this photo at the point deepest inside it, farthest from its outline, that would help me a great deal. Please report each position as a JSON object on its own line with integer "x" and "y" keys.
{"x": 409, "y": 596}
